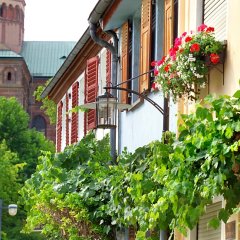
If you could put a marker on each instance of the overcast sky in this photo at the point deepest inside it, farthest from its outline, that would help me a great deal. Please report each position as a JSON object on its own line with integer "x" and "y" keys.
{"x": 56, "y": 20}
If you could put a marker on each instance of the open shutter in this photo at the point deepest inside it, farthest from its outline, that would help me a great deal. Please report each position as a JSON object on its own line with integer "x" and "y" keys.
{"x": 215, "y": 15}
{"x": 125, "y": 60}
{"x": 74, "y": 130}
{"x": 145, "y": 47}
{"x": 168, "y": 25}
{"x": 67, "y": 119}
{"x": 59, "y": 126}
{"x": 204, "y": 231}
{"x": 108, "y": 68}
{"x": 91, "y": 88}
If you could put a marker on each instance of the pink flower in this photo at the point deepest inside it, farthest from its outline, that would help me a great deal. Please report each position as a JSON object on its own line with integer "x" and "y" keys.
{"x": 188, "y": 39}
{"x": 195, "y": 47}
{"x": 177, "y": 42}
{"x": 153, "y": 63}
{"x": 160, "y": 62}
{"x": 155, "y": 72}
{"x": 202, "y": 27}
{"x": 184, "y": 34}
{"x": 214, "y": 58}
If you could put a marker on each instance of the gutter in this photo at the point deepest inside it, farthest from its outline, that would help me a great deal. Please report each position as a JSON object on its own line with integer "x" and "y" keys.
{"x": 94, "y": 18}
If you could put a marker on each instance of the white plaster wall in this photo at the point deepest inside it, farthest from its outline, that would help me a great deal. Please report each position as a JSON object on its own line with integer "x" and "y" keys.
{"x": 63, "y": 144}
{"x": 144, "y": 124}
{"x": 81, "y": 102}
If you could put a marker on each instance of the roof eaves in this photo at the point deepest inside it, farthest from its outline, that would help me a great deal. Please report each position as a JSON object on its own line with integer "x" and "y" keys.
{"x": 82, "y": 41}
{"x": 94, "y": 17}
{"x": 98, "y": 10}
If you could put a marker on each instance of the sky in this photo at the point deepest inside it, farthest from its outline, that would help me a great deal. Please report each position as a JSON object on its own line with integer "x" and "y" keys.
{"x": 56, "y": 20}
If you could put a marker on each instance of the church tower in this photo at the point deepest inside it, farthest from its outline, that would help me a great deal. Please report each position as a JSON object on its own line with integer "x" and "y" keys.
{"x": 12, "y": 24}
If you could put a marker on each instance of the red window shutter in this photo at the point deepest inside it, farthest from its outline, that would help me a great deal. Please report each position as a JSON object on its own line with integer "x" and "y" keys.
{"x": 125, "y": 60}
{"x": 59, "y": 126}
{"x": 91, "y": 89}
{"x": 145, "y": 45}
{"x": 67, "y": 119}
{"x": 74, "y": 130}
{"x": 168, "y": 25}
{"x": 108, "y": 68}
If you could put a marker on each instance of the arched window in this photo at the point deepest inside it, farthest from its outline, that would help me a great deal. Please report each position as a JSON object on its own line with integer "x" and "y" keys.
{"x": 9, "y": 76}
{"x": 10, "y": 12}
{"x": 39, "y": 123}
{"x": 17, "y": 13}
{"x": 4, "y": 10}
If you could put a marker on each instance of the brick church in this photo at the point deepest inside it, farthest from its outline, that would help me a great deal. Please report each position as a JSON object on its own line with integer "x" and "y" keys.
{"x": 26, "y": 64}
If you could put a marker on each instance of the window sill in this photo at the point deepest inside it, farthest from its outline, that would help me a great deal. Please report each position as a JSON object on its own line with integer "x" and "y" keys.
{"x": 136, "y": 104}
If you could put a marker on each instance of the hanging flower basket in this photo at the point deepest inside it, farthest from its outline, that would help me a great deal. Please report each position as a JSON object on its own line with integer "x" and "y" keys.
{"x": 187, "y": 63}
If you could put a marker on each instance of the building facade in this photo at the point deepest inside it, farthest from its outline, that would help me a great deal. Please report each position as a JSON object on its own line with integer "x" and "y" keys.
{"x": 24, "y": 65}
{"x": 146, "y": 31}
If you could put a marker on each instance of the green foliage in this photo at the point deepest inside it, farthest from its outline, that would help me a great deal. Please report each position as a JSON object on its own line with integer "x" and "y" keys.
{"x": 77, "y": 194}
{"x": 68, "y": 192}
{"x": 19, "y": 150}
{"x": 26, "y": 143}
{"x": 48, "y": 105}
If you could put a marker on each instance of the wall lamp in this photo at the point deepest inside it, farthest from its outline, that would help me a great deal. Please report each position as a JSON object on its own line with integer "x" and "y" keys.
{"x": 12, "y": 210}
{"x": 107, "y": 105}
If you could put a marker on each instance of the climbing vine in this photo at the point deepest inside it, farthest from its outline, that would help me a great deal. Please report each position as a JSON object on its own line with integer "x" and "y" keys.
{"x": 78, "y": 194}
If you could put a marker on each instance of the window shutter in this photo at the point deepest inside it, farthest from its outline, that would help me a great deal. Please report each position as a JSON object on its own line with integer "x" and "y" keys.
{"x": 125, "y": 60}
{"x": 204, "y": 231}
{"x": 91, "y": 88}
{"x": 74, "y": 130}
{"x": 108, "y": 68}
{"x": 67, "y": 119}
{"x": 215, "y": 15}
{"x": 168, "y": 25}
{"x": 59, "y": 126}
{"x": 131, "y": 233}
{"x": 145, "y": 44}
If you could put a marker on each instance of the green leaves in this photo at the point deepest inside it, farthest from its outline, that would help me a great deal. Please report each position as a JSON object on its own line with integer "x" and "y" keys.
{"x": 163, "y": 184}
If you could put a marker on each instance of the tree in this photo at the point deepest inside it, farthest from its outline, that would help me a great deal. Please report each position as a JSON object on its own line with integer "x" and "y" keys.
{"x": 27, "y": 143}
{"x": 48, "y": 105}
{"x": 20, "y": 148}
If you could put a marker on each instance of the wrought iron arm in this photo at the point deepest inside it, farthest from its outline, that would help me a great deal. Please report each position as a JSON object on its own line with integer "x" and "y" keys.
{"x": 160, "y": 109}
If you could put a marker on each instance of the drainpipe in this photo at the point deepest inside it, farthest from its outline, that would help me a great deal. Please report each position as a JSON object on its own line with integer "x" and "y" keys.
{"x": 114, "y": 51}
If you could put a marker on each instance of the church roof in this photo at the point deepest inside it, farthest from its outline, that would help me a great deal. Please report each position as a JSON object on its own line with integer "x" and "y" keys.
{"x": 44, "y": 58}
{"x": 9, "y": 54}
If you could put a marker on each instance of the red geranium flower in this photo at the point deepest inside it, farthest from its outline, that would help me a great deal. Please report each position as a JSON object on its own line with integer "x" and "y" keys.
{"x": 154, "y": 86}
{"x": 188, "y": 39}
{"x": 195, "y": 47}
{"x": 210, "y": 29}
{"x": 166, "y": 68}
{"x": 155, "y": 72}
{"x": 214, "y": 58}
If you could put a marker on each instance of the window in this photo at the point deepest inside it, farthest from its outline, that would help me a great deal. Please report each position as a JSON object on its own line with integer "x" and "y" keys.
{"x": 39, "y": 123}
{"x": 9, "y": 76}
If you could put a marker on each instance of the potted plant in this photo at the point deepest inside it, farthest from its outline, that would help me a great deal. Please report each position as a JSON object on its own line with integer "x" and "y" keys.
{"x": 187, "y": 63}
